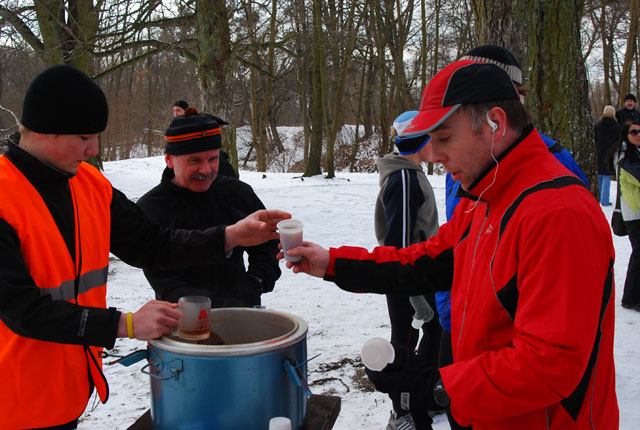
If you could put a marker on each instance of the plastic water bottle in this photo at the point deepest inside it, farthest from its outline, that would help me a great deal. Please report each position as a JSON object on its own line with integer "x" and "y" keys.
{"x": 279, "y": 423}
{"x": 423, "y": 311}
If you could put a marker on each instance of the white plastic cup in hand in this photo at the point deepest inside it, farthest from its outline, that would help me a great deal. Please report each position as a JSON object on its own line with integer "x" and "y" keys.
{"x": 290, "y": 231}
{"x": 194, "y": 322}
{"x": 377, "y": 353}
{"x": 279, "y": 423}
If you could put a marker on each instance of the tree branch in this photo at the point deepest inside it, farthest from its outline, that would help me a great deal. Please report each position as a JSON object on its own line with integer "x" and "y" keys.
{"x": 21, "y": 27}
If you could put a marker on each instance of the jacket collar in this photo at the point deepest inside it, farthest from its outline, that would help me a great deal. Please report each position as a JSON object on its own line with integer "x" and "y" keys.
{"x": 484, "y": 187}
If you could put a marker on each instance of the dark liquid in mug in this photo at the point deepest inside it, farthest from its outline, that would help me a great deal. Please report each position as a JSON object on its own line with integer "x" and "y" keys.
{"x": 214, "y": 339}
{"x": 194, "y": 335}
{"x": 195, "y": 332}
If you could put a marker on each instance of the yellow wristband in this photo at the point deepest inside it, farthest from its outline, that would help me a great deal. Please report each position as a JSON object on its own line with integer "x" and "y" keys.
{"x": 130, "y": 325}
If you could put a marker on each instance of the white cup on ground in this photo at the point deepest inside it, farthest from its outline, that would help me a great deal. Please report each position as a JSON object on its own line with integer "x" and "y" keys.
{"x": 377, "y": 353}
{"x": 290, "y": 231}
{"x": 279, "y": 423}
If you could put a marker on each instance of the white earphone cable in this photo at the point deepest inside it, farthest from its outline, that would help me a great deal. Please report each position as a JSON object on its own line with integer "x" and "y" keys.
{"x": 495, "y": 174}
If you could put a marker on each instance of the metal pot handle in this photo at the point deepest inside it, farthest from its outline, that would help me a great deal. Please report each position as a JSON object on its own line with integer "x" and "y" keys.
{"x": 125, "y": 360}
{"x": 295, "y": 377}
{"x": 175, "y": 367}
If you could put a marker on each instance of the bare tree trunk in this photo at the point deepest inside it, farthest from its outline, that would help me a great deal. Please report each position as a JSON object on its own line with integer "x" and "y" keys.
{"x": 503, "y": 23}
{"x": 337, "y": 120}
{"x": 317, "y": 114}
{"x": 253, "y": 96}
{"x": 261, "y": 149}
{"x": 379, "y": 37}
{"x": 605, "y": 54}
{"x": 625, "y": 79}
{"x": 547, "y": 35}
{"x": 436, "y": 56}
{"x": 149, "y": 133}
{"x": 368, "y": 112}
{"x": 275, "y": 136}
{"x": 400, "y": 27}
{"x": 301, "y": 46}
{"x": 356, "y": 141}
{"x": 554, "y": 82}
{"x": 214, "y": 65}
{"x": 423, "y": 43}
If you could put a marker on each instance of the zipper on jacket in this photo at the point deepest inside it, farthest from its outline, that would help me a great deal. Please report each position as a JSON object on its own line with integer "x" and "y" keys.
{"x": 473, "y": 263}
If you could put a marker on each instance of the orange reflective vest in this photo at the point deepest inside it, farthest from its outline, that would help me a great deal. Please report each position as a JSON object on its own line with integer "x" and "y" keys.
{"x": 44, "y": 383}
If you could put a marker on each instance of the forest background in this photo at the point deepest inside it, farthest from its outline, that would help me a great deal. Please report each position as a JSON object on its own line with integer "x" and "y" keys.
{"x": 319, "y": 64}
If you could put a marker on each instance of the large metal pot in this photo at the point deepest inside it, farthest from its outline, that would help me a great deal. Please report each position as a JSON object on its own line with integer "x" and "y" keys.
{"x": 258, "y": 373}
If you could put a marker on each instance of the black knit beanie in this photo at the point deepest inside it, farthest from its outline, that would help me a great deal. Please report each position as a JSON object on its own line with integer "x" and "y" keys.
{"x": 64, "y": 100}
{"x": 192, "y": 132}
{"x": 181, "y": 103}
{"x": 630, "y": 97}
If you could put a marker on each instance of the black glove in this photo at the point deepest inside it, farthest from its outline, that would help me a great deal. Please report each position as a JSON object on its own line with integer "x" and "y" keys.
{"x": 411, "y": 383}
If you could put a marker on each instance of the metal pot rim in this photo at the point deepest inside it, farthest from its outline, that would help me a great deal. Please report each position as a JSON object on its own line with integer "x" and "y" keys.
{"x": 297, "y": 333}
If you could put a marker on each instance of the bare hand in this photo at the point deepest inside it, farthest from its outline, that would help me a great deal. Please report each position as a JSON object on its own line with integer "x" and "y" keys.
{"x": 254, "y": 229}
{"x": 152, "y": 320}
{"x": 315, "y": 259}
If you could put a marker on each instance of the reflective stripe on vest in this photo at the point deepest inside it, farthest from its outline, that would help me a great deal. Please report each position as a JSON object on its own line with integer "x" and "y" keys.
{"x": 46, "y": 383}
{"x": 88, "y": 281}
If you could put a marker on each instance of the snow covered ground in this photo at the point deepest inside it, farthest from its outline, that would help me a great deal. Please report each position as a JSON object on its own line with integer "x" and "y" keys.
{"x": 335, "y": 212}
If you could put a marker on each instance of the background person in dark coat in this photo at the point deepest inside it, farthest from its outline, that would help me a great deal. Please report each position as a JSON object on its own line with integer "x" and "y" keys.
{"x": 606, "y": 132}
{"x": 179, "y": 107}
{"x": 192, "y": 195}
{"x": 628, "y": 112}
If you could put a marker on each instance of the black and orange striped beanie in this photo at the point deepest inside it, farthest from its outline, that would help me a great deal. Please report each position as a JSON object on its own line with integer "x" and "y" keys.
{"x": 192, "y": 132}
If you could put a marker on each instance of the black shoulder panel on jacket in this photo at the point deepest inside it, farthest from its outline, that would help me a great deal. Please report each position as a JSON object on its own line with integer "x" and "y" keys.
{"x": 509, "y": 298}
{"x": 559, "y": 182}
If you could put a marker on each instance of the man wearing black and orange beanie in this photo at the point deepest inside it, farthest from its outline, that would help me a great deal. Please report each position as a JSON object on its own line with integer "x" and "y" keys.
{"x": 193, "y": 195}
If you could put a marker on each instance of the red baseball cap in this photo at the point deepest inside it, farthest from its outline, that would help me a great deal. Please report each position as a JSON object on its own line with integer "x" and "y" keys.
{"x": 462, "y": 82}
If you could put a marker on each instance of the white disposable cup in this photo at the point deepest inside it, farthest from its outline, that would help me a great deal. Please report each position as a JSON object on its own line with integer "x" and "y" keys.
{"x": 194, "y": 322}
{"x": 377, "y": 353}
{"x": 279, "y": 423}
{"x": 290, "y": 231}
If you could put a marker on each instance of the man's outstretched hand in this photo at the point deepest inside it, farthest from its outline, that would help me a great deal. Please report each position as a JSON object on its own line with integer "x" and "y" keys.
{"x": 254, "y": 229}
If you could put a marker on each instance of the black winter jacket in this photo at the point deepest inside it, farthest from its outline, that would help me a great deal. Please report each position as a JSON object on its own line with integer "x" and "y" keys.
{"x": 623, "y": 115}
{"x": 134, "y": 239}
{"x": 606, "y": 131}
{"x": 227, "y": 283}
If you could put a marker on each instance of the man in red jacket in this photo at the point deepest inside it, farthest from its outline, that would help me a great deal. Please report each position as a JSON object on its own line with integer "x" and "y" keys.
{"x": 528, "y": 257}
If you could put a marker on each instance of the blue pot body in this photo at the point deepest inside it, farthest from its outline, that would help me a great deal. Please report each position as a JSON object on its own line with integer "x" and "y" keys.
{"x": 228, "y": 392}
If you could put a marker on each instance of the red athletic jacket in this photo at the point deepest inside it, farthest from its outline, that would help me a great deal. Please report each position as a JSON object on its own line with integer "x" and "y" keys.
{"x": 532, "y": 296}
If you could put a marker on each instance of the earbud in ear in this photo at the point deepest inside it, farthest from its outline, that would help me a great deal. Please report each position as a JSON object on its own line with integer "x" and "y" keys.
{"x": 492, "y": 124}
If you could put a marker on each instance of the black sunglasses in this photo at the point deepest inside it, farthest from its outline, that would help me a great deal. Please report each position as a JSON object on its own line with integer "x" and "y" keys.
{"x": 634, "y": 132}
